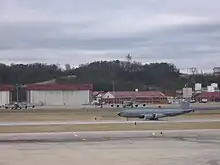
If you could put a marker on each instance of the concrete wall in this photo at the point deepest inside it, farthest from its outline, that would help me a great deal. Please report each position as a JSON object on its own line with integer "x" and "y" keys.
{"x": 59, "y": 97}
{"x": 4, "y": 97}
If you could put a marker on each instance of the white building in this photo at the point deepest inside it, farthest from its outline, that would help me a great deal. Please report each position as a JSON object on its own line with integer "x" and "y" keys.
{"x": 187, "y": 92}
{"x": 97, "y": 95}
{"x": 210, "y": 89}
{"x": 216, "y": 71}
{"x": 198, "y": 87}
{"x": 57, "y": 94}
{"x": 5, "y": 94}
{"x": 214, "y": 85}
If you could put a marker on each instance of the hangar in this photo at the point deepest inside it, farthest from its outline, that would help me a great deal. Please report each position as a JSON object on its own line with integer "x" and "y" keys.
{"x": 59, "y": 94}
{"x": 5, "y": 94}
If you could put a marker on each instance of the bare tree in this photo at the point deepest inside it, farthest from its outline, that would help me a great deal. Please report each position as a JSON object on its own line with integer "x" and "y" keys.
{"x": 67, "y": 67}
{"x": 129, "y": 57}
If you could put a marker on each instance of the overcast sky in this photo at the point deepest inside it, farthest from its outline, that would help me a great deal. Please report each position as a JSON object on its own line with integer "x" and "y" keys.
{"x": 184, "y": 32}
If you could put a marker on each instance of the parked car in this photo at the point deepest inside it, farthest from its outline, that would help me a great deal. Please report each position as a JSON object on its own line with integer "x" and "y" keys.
{"x": 193, "y": 101}
{"x": 204, "y": 101}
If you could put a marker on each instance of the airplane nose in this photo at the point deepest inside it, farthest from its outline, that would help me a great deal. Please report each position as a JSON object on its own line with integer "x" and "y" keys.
{"x": 119, "y": 113}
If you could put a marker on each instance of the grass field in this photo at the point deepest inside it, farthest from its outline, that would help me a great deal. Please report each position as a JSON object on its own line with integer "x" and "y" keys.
{"x": 108, "y": 127}
{"x": 58, "y": 115}
{"x": 81, "y": 114}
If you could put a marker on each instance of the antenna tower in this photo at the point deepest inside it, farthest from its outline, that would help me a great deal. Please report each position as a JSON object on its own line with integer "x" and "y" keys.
{"x": 192, "y": 70}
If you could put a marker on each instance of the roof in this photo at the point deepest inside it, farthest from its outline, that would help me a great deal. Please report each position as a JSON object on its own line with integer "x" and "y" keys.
{"x": 128, "y": 94}
{"x": 4, "y": 87}
{"x": 69, "y": 87}
{"x": 96, "y": 93}
{"x": 209, "y": 94}
{"x": 53, "y": 81}
{"x": 170, "y": 94}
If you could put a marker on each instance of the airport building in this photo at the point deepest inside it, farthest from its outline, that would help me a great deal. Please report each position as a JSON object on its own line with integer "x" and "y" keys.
{"x": 210, "y": 96}
{"x": 59, "y": 94}
{"x": 148, "y": 97}
{"x": 5, "y": 94}
{"x": 216, "y": 71}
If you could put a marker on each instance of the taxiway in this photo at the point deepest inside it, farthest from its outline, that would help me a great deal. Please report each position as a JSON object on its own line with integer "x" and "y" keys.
{"x": 109, "y": 135}
{"x": 106, "y": 122}
{"x": 197, "y": 147}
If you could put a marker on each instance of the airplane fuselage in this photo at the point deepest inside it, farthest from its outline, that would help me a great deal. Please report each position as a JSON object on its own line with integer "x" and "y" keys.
{"x": 152, "y": 114}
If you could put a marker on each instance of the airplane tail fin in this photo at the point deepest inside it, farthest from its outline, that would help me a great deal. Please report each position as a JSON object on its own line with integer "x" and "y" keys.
{"x": 185, "y": 104}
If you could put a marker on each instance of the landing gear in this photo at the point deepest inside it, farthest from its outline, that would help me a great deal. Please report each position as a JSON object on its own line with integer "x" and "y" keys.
{"x": 154, "y": 119}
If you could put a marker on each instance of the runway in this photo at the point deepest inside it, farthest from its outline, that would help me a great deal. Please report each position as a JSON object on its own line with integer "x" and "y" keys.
{"x": 213, "y": 134}
{"x": 197, "y": 147}
{"x": 39, "y": 123}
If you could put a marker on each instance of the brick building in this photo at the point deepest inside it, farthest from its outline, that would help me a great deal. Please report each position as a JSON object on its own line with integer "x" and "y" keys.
{"x": 210, "y": 96}
{"x": 149, "y": 97}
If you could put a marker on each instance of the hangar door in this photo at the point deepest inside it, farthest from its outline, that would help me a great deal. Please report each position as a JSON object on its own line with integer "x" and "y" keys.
{"x": 4, "y": 97}
{"x": 75, "y": 97}
{"x": 60, "y": 97}
{"x": 46, "y": 97}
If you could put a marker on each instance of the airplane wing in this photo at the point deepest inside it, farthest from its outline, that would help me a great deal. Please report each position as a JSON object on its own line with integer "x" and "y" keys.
{"x": 156, "y": 116}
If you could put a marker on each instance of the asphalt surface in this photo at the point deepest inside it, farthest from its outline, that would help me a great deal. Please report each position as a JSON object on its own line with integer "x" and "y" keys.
{"x": 105, "y": 122}
{"x": 161, "y": 147}
{"x": 194, "y": 135}
{"x": 192, "y": 147}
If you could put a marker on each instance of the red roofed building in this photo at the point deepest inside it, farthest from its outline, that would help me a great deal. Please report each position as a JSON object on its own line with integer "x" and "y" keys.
{"x": 118, "y": 97}
{"x": 5, "y": 94}
{"x": 63, "y": 87}
{"x": 210, "y": 96}
{"x": 59, "y": 94}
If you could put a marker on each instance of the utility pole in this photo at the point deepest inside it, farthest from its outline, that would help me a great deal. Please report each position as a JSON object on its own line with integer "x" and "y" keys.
{"x": 113, "y": 86}
{"x": 17, "y": 93}
{"x": 113, "y": 89}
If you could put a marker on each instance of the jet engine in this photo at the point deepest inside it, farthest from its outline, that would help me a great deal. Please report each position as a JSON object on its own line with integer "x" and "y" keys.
{"x": 149, "y": 117}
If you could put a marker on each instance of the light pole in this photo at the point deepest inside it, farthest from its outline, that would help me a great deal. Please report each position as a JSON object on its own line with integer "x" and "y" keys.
{"x": 113, "y": 86}
{"x": 17, "y": 94}
{"x": 113, "y": 90}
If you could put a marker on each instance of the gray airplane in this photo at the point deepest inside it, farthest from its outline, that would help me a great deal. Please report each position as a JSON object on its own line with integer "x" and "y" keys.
{"x": 155, "y": 114}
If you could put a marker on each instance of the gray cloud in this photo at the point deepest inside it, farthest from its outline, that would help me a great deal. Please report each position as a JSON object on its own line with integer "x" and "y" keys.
{"x": 185, "y": 33}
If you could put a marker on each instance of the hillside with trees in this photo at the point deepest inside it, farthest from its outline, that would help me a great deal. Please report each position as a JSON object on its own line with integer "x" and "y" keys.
{"x": 105, "y": 75}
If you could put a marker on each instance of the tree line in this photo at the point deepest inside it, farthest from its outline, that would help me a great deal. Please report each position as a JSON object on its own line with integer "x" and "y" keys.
{"x": 105, "y": 75}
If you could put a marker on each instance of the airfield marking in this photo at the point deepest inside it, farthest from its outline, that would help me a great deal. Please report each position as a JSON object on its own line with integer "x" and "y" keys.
{"x": 105, "y": 122}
